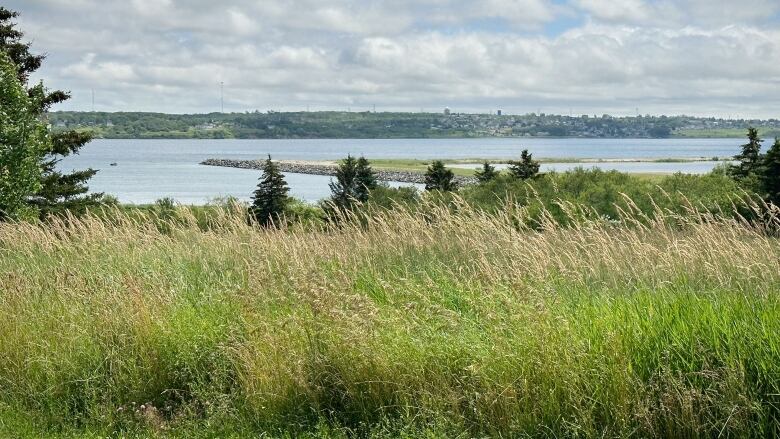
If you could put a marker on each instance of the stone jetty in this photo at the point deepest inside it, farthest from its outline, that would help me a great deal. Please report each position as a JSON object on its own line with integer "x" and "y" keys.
{"x": 319, "y": 168}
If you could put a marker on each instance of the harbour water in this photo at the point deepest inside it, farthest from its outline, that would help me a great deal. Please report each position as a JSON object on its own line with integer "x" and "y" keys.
{"x": 146, "y": 170}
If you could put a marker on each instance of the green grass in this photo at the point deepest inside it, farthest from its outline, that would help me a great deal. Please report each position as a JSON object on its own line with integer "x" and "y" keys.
{"x": 764, "y": 132}
{"x": 419, "y": 165}
{"x": 414, "y": 163}
{"x": 448, "y": 324}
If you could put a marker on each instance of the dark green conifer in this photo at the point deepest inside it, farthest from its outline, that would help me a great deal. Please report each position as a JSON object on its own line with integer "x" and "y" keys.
{"x": 344, "y": 189}
{"x": 771, "y": 173}
{"x": 524, "y": 169}
{"x": 23, "y": 142}
{"x": 749, "y": 159}
{"x": 365, "y": 180}
{"x": 58, "y": 191}
{"x": 486, "y": 173}
{"x": 439, "y": 178}
{"x": 270, "y": 199}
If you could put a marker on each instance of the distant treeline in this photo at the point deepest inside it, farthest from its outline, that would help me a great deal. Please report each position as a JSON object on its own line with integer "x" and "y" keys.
{"x": 362, "y": 125}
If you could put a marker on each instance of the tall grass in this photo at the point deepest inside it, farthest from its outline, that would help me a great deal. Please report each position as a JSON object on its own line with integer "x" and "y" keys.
{"x": 452, "y": 323}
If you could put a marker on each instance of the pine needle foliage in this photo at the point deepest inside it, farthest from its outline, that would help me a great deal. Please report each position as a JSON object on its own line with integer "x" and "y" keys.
{"x": 439, "y": 178}
{"x": 365, "y": 180}
{"x": 344, "y": 189}
{"x": 486, "y": 173}
{"x": 524, "y": 169}
{"x": 750, "y": 157}
{"x": 771, "y": 173}
{"x": 23, "y": 142}
{"x": 271, "y": 196}
{"x": 58, "y": 192}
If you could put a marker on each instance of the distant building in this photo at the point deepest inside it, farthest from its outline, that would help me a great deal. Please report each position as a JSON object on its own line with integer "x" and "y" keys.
{"x": 498, "y": 113}
{"x": 447, "y": 112}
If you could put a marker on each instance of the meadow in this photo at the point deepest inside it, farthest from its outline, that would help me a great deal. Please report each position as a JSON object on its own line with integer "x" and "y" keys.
{"x": 439, "y": 321}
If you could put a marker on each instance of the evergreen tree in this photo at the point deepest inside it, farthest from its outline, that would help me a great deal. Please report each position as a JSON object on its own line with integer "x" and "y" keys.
{"x": 750, "y": 157}
{"x": 270, "y": 199}
{"x": 19, "y": 52}
{"x": 365, "y": 180}
{"x": 526, "y": 168}
{"x": 344, "y": 190}
{"x": 439, "y": 178}
{"x": 487, "y": 173}
{"x": 58, "y": 192}
{"x": 23, "y": 142}
{"x": 771, "y": 173}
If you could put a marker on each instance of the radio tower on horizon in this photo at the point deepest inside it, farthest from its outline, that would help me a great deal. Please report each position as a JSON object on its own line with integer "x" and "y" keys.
{"x": 222, "y": 96}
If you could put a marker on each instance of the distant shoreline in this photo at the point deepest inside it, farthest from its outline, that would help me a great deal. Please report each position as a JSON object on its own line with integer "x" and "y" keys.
{"x": 175, "y": 136}
{"x": 373, "y": 125}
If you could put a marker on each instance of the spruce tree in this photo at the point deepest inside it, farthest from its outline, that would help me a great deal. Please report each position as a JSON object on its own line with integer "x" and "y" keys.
{"x": 58, "y": 192}
{"x": 19, "y": 52}
{"x": 439, "y": 178}
{"x": 486, "y": 173}
{"x": 771, "y": 173}
{"x": 365, "y": 180}
{"x": 23, "y": 142}
{"x": 750, "y": 157}
{"x": 270, "y": 199}
{"x": 526, "y": 168}
{"x": 344, "y": 189}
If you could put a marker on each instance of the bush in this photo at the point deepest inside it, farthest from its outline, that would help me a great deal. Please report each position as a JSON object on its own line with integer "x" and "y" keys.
{"x": 301, "y": 212}
{"x": 605, "y": 193}
{"x": 439, "y": 178}
{"x": 387, "y": 197}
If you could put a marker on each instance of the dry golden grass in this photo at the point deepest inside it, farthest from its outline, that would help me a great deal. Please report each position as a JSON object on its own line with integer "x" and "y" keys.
{"x": 442, "y": 320}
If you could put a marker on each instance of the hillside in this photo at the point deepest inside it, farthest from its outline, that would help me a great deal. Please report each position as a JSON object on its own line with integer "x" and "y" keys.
{"x": 334, "y": 125}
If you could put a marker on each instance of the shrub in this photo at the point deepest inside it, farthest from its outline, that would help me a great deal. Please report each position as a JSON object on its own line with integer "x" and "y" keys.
{"x": 604, "y": 193}
{"x": 524, "y": 169}
{"x": 439, "y": 178}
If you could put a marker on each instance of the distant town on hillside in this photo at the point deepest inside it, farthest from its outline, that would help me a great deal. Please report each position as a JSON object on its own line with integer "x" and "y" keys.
{"x": 447, "y": 124}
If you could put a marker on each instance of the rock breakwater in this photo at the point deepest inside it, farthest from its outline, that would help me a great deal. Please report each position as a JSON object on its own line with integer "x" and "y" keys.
{"x": 300, "y": 167}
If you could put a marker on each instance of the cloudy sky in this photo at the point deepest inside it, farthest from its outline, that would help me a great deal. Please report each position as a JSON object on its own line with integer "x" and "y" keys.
{"x": 702, "y": 57}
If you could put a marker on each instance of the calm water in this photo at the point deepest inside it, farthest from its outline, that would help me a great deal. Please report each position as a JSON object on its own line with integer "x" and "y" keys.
{"x": 151, "y": 169}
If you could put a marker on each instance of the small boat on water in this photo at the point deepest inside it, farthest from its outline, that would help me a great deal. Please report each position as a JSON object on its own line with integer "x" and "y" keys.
{"x": 113, "y": 164}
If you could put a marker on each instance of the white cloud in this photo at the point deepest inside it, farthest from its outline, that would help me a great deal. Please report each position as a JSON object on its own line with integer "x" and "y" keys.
{"x": 105, "y": 73}
{"x": 680, "y": 13}
{"x": 617, "y": 10}
{"x": 242, "y": 23}
{"x": 663, "y": 55}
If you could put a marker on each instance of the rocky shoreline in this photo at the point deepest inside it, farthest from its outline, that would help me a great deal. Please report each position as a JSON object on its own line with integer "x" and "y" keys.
{"x": 297, "y": 167}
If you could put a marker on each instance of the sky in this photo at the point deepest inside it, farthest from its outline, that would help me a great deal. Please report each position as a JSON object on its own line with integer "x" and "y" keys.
{"x": 698, "y": 57}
